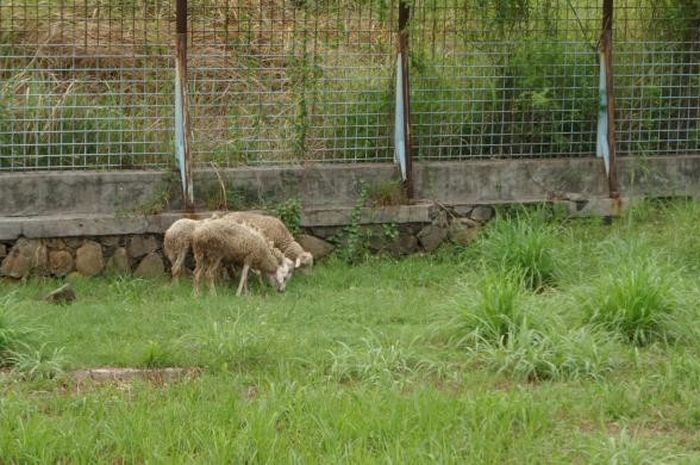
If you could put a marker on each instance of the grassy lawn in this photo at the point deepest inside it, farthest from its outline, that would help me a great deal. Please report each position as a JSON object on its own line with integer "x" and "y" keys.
{"x": 548, "y": 341}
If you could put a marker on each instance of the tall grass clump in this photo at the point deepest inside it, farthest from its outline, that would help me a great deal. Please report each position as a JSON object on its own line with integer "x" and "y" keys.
{"x": 374, "y": 362}
{"x": 525, "y": 242}
{"x": 496, "y": 314}
{"x": 638, "y": 301}
{"x": 519, "y": 334}
{"x": 552, "y": 352}
{"x": 20, "y": 351}
{"x": 228, "y": 346}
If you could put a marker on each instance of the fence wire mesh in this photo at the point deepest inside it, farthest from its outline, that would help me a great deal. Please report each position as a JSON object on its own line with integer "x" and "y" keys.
{"x": 85, "y": 84}
{"x": 290, "y": 80}
{"x": 657, "y": 76}
{"x": 90, "y": 83}
{"x": 504, "y": 79}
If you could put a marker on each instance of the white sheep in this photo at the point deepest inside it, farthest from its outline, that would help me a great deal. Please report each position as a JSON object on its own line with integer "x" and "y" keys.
{"x": 220, "y": 240}
{"x": 176, "y": 244}
{"x": 178, "y": 241}
{"x": 275, "y": 230}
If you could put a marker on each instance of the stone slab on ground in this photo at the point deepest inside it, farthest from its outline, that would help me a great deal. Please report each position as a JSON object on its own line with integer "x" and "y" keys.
{"x": 123, "y": 375}
{"x": 63, "y": 295}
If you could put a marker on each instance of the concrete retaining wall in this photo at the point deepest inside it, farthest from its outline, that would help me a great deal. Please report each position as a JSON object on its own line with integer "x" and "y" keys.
{"x": 322, "y": 186}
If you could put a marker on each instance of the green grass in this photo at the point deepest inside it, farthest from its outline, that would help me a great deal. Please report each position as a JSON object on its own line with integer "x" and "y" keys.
{"x": 373, "y": 363}
{"x": 526, "y": 243}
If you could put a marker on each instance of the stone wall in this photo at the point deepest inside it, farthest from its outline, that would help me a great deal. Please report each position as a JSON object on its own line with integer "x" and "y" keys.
{"x": 140, "y": 255}
{"x": 393, "y": 232}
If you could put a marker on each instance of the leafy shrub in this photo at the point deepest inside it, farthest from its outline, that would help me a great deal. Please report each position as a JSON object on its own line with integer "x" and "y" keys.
{"x": 353, "y": 240}
{"x": 289, "y": 212}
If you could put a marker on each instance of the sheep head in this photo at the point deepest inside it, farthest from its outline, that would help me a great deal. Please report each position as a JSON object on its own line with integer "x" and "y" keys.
{"x": 279, "y": 278}
{"x": 305, "y": 261}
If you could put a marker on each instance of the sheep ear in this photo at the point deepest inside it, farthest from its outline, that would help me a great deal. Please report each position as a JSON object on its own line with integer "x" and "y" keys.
{"x": 297, "y": 263}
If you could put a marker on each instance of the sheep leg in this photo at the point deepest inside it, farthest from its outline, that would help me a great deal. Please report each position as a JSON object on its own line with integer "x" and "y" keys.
{"x": 231, "y": 271}
{"x": 244, "y": 278}
{"x": 198, "y": 270}
{"x": 211, "y": 275}
{"x": 179, "y": 265}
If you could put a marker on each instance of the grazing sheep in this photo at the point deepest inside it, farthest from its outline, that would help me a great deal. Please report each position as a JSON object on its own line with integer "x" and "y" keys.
{"x": 176, "y": 244}
{"x": 275, "y": 230}
{"x": 178, "y": 241}
{"x": 220, "y": 240}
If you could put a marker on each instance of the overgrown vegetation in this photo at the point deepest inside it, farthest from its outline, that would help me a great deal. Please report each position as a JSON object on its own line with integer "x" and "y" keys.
{"x": 289, "y": 212}
{"x": 353, "y": 241}
{"x": 20, "y": 348}
{"x": 526, "y": 242}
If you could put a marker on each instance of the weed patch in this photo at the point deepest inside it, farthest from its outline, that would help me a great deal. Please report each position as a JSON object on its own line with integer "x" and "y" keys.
{"x": 525, "y": 243}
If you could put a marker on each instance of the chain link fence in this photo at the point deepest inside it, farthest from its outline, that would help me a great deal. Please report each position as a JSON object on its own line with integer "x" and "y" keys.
{"x": 90, "y": 83}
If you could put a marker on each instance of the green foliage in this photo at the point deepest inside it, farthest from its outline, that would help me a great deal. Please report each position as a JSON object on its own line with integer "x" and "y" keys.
{"x": 353, "y": 240}
{"x": 386, "y": 193}
{"x": 525, "y": 243}
{"x": 537, "y": 354}
{"x": 39, "y": 363}
{"x": 20, "y": 349}
{"x": 637, "y": 301}
{"x": 496, "y": 314}
{"x": 156, "y": 356}
{"x": 289, "y": 212}
{"x": 13, "y": 335}
{"x": 371, "y": 355}
{"x": 391, "y": 231}
{"x": 227, "y": 346}
{"x": 375, "y": 362}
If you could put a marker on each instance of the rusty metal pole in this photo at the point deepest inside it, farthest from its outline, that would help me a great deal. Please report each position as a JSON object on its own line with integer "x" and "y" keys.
{"x": 404, "y": 16}
{"x": 182, "y": 113}
{"x": 607, "y": 57}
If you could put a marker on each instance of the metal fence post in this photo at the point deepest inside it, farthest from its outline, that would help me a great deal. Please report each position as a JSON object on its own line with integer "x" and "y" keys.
{"x": 182, "y": 113}
{"x": 404, "y": 16}
{"x": 607, "y": 67}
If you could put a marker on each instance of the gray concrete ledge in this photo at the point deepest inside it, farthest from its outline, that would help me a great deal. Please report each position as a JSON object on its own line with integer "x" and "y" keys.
{"x": 108, "y": 225}
{"x": 114, "y": 225}
{"x": 87, "y": 201}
